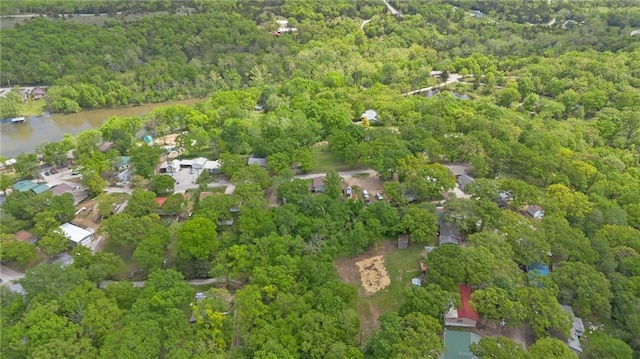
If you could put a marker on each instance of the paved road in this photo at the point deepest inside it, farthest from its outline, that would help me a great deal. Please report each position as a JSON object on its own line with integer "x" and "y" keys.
{"x": 202, "y": 281}
{"x": 7, "y": 275}
{"x": 451, "y": 79}
{"x": 393, "y": 11}
{"x": 364, "y": 22}
{"x": 341, "y": 173}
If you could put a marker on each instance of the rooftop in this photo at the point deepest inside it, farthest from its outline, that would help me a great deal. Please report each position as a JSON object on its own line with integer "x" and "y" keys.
{"x": 371, "y": 115}
{"x": 317, "y": 181}
{"x": 24, "y": 236}
{"x": 449, "y": 234}
{"x": 75, "y": 233}
{"x": 457, "y": 345}
{"x": 122, "y": 161}
{"x": 464, "y": 180}
{"x": 23, "y": 186}
{"x": 262, "y": 162}
{"x": 61, "y": 189}
{"x": 40, "y": 188}
{"x": 466, "y": 310}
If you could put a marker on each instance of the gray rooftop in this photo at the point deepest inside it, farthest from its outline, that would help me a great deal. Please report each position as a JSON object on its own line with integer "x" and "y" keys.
{"x": 449, "y": 234}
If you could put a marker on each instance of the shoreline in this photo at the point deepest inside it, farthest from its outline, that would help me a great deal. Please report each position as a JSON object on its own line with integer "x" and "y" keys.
{"x": 51, "y": 127}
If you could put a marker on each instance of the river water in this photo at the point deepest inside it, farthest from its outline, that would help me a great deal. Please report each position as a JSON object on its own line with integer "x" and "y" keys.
{"x": 19, "y": 138}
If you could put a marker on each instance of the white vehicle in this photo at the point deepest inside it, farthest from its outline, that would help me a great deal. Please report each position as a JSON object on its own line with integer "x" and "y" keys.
{"x": 379, "y": 196}
{"x": 365, "y": 194}
{"x": 348, "y": 191}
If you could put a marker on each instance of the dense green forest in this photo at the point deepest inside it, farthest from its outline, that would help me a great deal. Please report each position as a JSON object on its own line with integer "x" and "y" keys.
{"x": 553, "y": 118}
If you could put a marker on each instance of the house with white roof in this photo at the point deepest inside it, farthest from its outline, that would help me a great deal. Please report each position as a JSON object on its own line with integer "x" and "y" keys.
{"x": 77, "y": 235}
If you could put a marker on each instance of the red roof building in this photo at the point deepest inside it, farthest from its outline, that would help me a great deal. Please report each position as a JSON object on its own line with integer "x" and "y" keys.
{"x": 160, "y": 201}
{"x": 465, "y": 315}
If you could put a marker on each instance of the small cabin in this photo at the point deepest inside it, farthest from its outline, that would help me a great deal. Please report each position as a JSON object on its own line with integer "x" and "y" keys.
{"x": 403, "y": 241}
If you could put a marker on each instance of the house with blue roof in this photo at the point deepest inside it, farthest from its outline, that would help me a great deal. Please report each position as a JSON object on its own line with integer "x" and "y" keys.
{"x": 537, "y": 270}
{"x": 23, "y": 186}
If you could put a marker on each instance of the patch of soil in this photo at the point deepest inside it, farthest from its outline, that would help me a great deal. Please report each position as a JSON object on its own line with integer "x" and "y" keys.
{"x": 349, "y": 273}
{"x": 373, "y": 274}
{"x": 168, "y": 140}
{"x": 347, "y": 269}
{"x": 523, "y": 334}
{"x": 89, "y": 217}
{"x": 371, "y": 183}
{"x": 271, "y": 194}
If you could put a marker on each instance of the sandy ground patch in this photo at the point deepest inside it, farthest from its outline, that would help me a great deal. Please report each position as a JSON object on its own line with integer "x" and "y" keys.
{"x": 371, "y": 183}
{"x": 168, "y": 140}
{"x": 373, "y": 274}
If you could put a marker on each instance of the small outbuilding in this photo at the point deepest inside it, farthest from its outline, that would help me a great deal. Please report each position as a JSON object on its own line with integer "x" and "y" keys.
{"x": 61, "y": 189}
{"x": 122, "y": 163}
{"x": 24, "y": 236}
{"x": 448, "y": 234}
{"x": 63, "y": 259}
{"x": 105, "y": 147}
{"x": 317, "y": 184}
{"x": 403, "y": 241}
{"x": 370, "y": 115}
{"x": 77, "y": 235}
{"x": 148, "y": 140}
{"x": 535, "y": 211}
{"x": 38, "y": 93}
{"x": 464, "y": 180}
{"x": 262, "y": 162}
{"x": 577, "y": 330}
{"x": 17, "y": 288}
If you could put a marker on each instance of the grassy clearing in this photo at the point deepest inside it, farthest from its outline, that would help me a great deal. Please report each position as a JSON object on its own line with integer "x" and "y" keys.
{"x": 326, "y": 161}
{"x": 32, "y": 108}
{"x": 125, "y": 253}
{"x": 401, "y": 265}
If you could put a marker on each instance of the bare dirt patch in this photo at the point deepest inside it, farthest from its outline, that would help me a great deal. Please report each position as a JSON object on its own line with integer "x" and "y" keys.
{"x": 373, "y": 274}
{"x": 347, "y": 269}
{"x": 168, "y": 140}
{"x": 89, "y": 216}
{"x": 371, "y": 183}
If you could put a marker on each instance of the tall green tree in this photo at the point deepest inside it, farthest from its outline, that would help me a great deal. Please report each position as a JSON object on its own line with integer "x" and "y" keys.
{"x": 197, "y": 239}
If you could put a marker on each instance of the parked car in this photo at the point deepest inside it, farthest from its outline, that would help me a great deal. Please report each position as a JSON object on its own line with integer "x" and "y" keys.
{"x": 379, "y": 196}
{"x": 348, "y": 191}
{"x": 365, "y": 194}
{"x": 367, "y": 202}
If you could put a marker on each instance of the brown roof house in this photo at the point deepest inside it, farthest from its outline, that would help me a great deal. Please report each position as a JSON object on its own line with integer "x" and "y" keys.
{"x": 62, "y": 189}
{"x": 317, "y": 184}
{"x": 535, "y": 211}
{"x": 24, "y": 236}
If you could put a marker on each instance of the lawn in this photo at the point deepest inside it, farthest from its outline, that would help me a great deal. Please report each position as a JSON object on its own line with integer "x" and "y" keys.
{"x": 32, "y": 108}
{"x": 401, "y": 265}
{"x": 325, "y": 160}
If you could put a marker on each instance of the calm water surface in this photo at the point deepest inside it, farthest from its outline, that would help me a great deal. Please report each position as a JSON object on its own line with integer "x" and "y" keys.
{"x": 25, "y": 137}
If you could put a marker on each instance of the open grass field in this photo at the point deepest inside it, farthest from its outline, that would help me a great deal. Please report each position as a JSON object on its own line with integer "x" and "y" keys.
{"x": 326, "y": 161}
{"x": 33, "y": 108}
{"x": 401, "y": 265}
